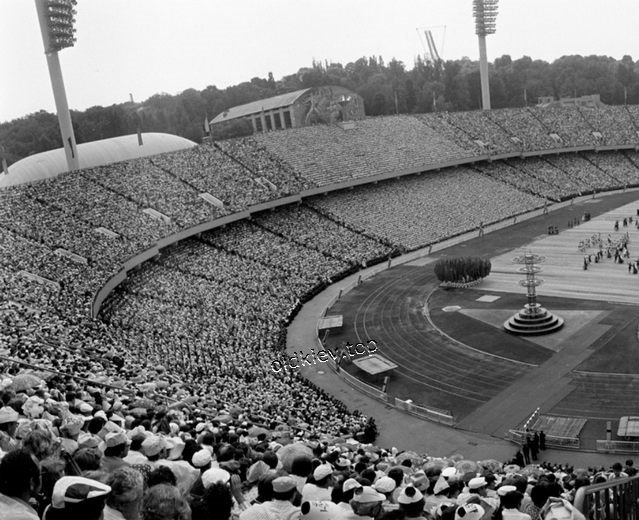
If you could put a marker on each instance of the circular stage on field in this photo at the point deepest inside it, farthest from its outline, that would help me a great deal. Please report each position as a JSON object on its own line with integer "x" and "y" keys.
{"x": 453, "y": 354}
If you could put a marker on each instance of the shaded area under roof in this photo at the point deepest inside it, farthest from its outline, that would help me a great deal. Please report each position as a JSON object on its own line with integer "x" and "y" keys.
{"x": 281, "y": 101}
{"x": 51, "y": 163}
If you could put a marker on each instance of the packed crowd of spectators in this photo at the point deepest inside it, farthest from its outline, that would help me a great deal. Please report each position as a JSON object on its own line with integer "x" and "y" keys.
{"x": 524, "y": 129}
{"x": 182, "y": 355}
{"x": 413, "y": 212}
{"x": 330, "y": 154}
{"x": 78, "y": 452}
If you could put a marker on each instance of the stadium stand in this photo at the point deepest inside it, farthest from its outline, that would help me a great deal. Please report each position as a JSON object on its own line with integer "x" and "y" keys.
{"x": 179, "y": 362}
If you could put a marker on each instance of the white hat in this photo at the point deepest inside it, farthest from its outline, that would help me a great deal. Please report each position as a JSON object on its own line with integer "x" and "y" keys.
{"x": 152, "y": 445}
{"x": 8, "y": 415}
{"x": 385, "y": 485}
{"x": 477, "y": 482}
{"x": 505, "y": 489}
{"x": 113, "y": 439}
{"x": 367, "y": 494}
{"x": 73, "y": 490}
{"x": 201, "y": 458}
{"x": 448, "y": 472}
{"x": 322, "y": 471}
{"x": 409, "y": 495}
{"x": 349, "y": 484}
{"x": 176, "y": 447}
{"x": 213, "y": 475}
{"x": 469, "y": 512}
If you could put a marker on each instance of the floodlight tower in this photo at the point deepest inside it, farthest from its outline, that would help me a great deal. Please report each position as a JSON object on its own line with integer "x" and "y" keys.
{"x": 485, "y": 13}
{"x": 57, "y": 19}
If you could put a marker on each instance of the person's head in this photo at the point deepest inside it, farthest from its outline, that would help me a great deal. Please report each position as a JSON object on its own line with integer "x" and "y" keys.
{"x": 265, "y": 487}
{"x": 477, "y": 485}
{"x": 411, "y": 501}
{"x": 539, "y": 494}
{"x": 77, "y": 498}
{"x": 8, "y": 420}
{"x": 40, "y": 444}
{"x": 161, "y": 475}
{"x": 323, "y": 475}
{"x": 284, "y": 488}
{"x": 164, "y": 502}
{"x": 19, "y": 474}
{"x": 367, "y": 502}
{"x": 87, "y": 459}
{"x": 216, "y": 504}
{"x": 512, "y": 500}
{"x": 302, "y": 466}
{"x": 127, "y": 490}
{"x": 117, "y": 445}
{"x": 270, "y": 459}
{"x": 397, "y": 474}
{"x": 617, "y": 467}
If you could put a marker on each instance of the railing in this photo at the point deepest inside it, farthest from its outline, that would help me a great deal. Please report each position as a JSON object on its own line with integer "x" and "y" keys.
{"x": 553, "y": 441}
{"x": 440, "y": 416}
{"x": 617, "y": 446}
{"x": 617, "y": 499}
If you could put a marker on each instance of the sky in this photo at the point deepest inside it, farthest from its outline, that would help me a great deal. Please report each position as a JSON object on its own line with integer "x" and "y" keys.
{"x": 144, "y": 47}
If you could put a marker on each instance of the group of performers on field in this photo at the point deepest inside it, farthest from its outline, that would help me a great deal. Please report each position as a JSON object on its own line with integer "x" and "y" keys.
{"x": 613, "y": 247}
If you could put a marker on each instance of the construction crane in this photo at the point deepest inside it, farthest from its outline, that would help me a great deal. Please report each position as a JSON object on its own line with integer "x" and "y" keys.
{"x": 428, "y": 43}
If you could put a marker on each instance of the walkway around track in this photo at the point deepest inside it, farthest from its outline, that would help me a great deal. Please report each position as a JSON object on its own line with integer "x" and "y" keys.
{"x": 408, "y": 432}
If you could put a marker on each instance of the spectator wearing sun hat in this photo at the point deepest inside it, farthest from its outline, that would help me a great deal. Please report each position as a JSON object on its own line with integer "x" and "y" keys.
{"x": 476, "y": 486}
{"x": 184, "y": 472}
{"x": 510, "y": 506}
{"x": 348, "y": 488}
{"x": 322, "y": 487}
{"x": 8, "y": 426}
{"x": 366, "y": 504}
{"x": 386, "y": 485}
{"x": 469, "y": 512}
{"x": 77, "y": 498}
{"x": 117, "y": 446}
{"x": 281, "y": 507}
{"x": 135, "y": 456}
{"x": 411, "y": 501}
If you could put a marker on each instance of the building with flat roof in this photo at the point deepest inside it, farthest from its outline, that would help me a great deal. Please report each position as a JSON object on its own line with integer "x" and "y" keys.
{"x": 317, "y": 105}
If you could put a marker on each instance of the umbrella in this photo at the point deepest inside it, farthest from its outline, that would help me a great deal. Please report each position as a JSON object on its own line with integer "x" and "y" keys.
{"x": 143, "y": 403}
{"x": 435, "y": 464}
{"x": 289, "y": 452}
{"x": 225, "y": 418}
{"x": 138, "y": 412}
{"x": 466, "y": 466}
{"x": 23, "y": 382}
{"x": 491, "y": 465}
{"x": 256, "y": 430}
{"x": 410, "y": 455}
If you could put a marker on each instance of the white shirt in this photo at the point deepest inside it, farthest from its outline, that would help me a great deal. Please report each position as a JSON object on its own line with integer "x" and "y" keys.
{"x": 273, "y": 510}
{"x": 514, "y": 514}
{"x": 311, "y": 492}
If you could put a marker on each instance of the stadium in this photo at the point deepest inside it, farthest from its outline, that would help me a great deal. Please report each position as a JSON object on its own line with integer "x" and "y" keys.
{"x": 145, "y": 297}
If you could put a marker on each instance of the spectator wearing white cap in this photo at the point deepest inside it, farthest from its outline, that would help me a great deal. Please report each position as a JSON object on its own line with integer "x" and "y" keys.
{"x": 281, "y": 507}
{"x": 510, "y": 505}
{"x": 470, "y": 512}
{"x": 322, "y": 487}
{"x": 411, "y": 501}
{"x": 476, "y": 486}
{"x": 349, "y": 488}
{"x": 386, "y": 486}
{"x": 77, "y": 498}
{"x": 117, "y": 447}
{"x": 366, "y": 504}
{"x": 135, "y": 456}
{"x": 8, "y": 426}
{"x": 184, "y": 472}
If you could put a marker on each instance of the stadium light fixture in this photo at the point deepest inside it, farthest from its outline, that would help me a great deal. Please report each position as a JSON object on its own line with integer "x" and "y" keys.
{"x": 57, "y": 25}
{"x": 485, "y": 13}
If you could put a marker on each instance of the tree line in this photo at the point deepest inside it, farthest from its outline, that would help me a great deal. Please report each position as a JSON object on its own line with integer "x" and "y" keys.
{"x": 387, "y": 88}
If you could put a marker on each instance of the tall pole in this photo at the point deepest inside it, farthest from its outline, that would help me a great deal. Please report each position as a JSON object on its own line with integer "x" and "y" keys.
{"x": 57, "y": 84}
{"x": 483, "y": 73}
{"x": 485, "y": 13}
